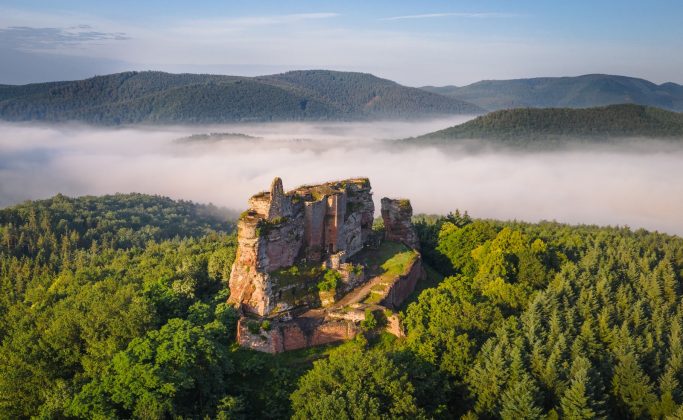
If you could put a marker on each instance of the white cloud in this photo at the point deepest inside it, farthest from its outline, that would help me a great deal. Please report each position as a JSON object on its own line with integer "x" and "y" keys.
{"x": 451, "y": 14}
{"x": 41, "y": 39}
{"x": 251, "y": 45}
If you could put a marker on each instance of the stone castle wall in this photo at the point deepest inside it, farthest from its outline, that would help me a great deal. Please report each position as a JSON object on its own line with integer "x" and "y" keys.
{"x": 304, "y": 225}
{"x": 314, "y": 219}
{"x": 285, "y": 236}
{"x": 294, "y": 335}
{"x": 404, "y": 285}
{"x": 398, "y": 224}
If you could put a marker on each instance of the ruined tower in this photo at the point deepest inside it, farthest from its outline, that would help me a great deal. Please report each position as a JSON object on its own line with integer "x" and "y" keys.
{"x": 307, "y": 225}
{"x": 398, "y": 226}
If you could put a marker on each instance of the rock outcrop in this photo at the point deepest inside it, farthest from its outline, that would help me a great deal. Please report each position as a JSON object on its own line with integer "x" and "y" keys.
{"x": 308, "y": 225}
{"x": 398, "y": 226}
{"x": 301, "y": 275}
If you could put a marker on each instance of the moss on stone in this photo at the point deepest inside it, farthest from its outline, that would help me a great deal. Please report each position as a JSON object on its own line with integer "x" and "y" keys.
{"x": 264, "y": 226}
{"x": 404, "y": 204}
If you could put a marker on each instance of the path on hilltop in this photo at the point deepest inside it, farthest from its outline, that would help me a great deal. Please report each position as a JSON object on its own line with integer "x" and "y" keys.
{"x": 354, "y": 296}
{"x": 357, "y": 294}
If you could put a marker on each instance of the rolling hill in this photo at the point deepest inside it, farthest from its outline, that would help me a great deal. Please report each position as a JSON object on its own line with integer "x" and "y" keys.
{"x": 538, "y": 127}
{"x": 365, "y": 94}
{"x": 567, "y": 92}
{"x": 157, "y": 97}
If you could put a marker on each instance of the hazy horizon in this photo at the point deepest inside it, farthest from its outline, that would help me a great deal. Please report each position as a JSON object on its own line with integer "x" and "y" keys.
{"x": 281, "y": 70}
{"x": 586, "y": 185}
{"x": 413, "y": 43}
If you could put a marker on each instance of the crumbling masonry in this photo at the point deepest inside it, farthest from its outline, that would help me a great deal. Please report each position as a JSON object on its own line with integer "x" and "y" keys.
{"x": 285, "y": 236}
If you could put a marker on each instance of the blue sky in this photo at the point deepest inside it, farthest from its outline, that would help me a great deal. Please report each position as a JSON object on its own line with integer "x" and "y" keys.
{"x": 415, "y": 43}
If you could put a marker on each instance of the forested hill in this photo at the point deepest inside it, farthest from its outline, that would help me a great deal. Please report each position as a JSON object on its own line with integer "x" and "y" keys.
{"x": 590, "y": 90}
{"x": 538, "y": 126}
{"x": 156, "y": 97}
{"x": 360, "y": 93}
{"x": 115, "y": 307}
{"x": 45, "y": 227}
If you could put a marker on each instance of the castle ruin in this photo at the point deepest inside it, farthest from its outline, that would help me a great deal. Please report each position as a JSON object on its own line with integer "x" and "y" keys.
{"x": 290, "y": 243}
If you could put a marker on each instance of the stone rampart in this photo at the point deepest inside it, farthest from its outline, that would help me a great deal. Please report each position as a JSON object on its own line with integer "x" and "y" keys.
{"x": 295, "y": 334}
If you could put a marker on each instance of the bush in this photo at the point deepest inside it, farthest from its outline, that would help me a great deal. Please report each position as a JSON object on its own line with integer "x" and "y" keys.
{"x": 330, "y": 281}
{"x": 370, "y": 321}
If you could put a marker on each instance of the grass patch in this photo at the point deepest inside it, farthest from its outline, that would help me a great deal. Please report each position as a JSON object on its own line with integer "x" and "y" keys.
{"x": 374, "y": 298}
{"x": 374, "y": 259}
{"x": 305, "y": 357}
{"x": 399, "y": 263}
{"x": 297, "y": 361}
{"x": 389, "y": 261}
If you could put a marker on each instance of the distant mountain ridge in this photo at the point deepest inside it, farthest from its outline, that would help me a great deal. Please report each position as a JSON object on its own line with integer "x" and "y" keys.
{"x": 585, "y": 91}
{"x": 157, "y": 97}
{"x": 536, "y": 126}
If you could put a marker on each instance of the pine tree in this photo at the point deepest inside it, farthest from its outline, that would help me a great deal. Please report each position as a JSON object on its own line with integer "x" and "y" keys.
{"x": 520, "y": 400}
{"x": 669, "y": 391}
{"x": 632, "y": 387}
{"x": 678, "y": 415}
{"x": 583, "y": 397}
{"x": 488, "y": 377}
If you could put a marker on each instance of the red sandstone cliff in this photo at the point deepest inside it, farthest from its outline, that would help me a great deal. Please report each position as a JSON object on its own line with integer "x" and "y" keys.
{"x": 308, "y": 224}
{"x": 313, "y": 229}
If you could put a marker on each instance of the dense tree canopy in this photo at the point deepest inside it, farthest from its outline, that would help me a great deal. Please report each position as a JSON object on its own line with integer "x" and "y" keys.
{"x": 115, "y": 307}
{"x": 157, "y": 97}
{"x": 547, "y": 319}
{"x": 553, "y": 127}
{"x": 355, "y": 384}
{"x": 584, "y": 91}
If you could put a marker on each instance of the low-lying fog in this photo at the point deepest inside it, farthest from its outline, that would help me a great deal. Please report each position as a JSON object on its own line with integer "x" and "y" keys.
{"x": 580, "y": 186}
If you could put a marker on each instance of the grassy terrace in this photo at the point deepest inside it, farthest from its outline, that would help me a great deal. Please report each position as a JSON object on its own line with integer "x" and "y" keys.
{"x": 389, "y": 261}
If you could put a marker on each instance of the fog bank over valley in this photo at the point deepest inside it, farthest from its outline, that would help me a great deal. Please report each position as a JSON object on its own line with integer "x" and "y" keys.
{"x": 606, "y": 186}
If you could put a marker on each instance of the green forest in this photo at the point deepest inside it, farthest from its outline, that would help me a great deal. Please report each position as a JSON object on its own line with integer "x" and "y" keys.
{"x": 588, "y": 90}
{"x": 548, "y": 127}
{"x": 154, "y": 97}
{"x": 115, "y": 307}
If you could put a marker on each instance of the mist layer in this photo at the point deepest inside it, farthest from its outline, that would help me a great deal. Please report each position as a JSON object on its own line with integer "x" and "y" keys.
{"x": 606, "y": 187}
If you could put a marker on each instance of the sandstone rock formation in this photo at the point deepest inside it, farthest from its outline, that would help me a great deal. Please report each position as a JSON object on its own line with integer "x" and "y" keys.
{"x": 300, "y": 276}
{"x": 398, "y": 225}
{"x": 307, "y": 225}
